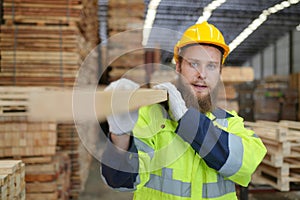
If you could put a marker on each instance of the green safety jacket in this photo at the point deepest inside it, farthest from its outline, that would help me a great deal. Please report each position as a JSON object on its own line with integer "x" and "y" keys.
{"x": 199, "y": 157}
{"x": 173, "y": 165}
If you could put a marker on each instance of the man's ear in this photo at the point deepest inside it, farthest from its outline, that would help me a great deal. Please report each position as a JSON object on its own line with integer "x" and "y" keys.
{"x": 178, "y": 67}
{"x": 221, "y": 67}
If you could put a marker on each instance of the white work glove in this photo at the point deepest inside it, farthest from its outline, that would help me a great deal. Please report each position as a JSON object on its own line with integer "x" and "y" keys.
{"x": 122, "y": 123}
{"x": 176, "y": 102}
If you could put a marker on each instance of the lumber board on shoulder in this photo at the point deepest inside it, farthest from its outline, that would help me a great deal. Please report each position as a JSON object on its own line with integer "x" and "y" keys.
{"x": 62, "y": 105}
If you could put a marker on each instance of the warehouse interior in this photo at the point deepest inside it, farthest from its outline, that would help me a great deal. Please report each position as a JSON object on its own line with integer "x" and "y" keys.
{"x": 51, "y": 47}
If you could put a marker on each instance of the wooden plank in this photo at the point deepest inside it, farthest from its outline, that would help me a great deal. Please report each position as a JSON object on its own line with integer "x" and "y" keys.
{"x": 59, "y": 105}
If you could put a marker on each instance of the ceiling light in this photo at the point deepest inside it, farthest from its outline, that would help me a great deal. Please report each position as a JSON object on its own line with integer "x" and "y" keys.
{"x": 279, "y": 7}
{"x": 266, "y": 12}
{"x": 149, "y": 19}
{"x": 207, "y": 11}
{"x": 294, "y": 1}
{"x": 272, "y": 10}
{"x": 261, "y": 19}
{"x": 285, "y": 4}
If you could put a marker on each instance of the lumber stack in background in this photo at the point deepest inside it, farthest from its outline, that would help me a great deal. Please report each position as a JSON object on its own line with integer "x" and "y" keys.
{"x": 246, "y": 99}
{"x": 45, "y": 43}
{"x": 294, "y": 83}
{"x": 68, "y": 142}
{"x": 56, "y": 163}
{"x": 48, "y": 177}
{"x": 46, "y": 50}
{"x": 124, "y": 48}
{"x": 231, "y": 76}
{"x": 12, "y": 180}
{"x": 281, "y": 166}
{"x": 274, "y": 100}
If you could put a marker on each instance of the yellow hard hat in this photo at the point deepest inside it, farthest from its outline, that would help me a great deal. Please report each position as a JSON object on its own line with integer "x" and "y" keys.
{"x": 202, "y": 33}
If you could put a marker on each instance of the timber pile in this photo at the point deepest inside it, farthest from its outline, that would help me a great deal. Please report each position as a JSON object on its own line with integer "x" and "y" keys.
{"x": 274, "y": 100}
{"x": 124, "y": 48}
{"x": 12, "y": 180}
{"x": 32, "y": 11}
{"x": 281, "y": 166}
{"x": 46, "y": 50}
{"x": 25, "y": 138}
{"x": 47, "y": 177}
{"x": 44, "y": 43}
{"x": 68, "y": 142}
{"x": 246, "y": 99}
{"x": 231, "y": 76}
{"x": 38, "y": 56}
{"x": 294, "y": 82}
{"x": 41, "y": 145}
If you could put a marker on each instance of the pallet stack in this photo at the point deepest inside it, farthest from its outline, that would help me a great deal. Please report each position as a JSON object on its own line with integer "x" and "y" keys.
{"x": 281, "y": 166}
{"x": 246, "y": 99}
{"x": 46, "y": 50}
{"x": 12, "y": 180}
{"x": 294, "y": 83}
{"x": 230, "y": 77}
{"x": 125, "y": 22}
{"x": 68, "y": 142}
{"x": 47, "y": 177}
{"x": 56, "y": 163}
{"x": 25, "y": 138}
{"x": 44, "y": 43}
{"x": 274, "y": 100}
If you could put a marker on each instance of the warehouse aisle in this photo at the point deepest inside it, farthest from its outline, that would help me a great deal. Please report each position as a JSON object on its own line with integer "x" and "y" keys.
{"x": 95, "y": 189}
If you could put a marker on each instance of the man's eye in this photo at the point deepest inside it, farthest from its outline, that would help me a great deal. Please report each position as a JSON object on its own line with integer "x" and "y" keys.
{"x": 194, "y": 64}
{"x": 211, "y": 66}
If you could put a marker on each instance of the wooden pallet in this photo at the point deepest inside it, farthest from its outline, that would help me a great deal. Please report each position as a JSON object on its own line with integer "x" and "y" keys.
{"x": 40, "y": 56}
{"x": 48, "y": 177}
{"x": 68, "y": 142}
{"x": 47, "y": 50}
{"x": 27, "y": 138}
{"x": 34, "y": 11}
{"x": 12, "y": 179}
{"x": 281, "y": 165}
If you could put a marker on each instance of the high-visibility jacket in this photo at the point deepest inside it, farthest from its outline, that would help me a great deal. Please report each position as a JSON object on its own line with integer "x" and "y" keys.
{"x": 199, "y": 157}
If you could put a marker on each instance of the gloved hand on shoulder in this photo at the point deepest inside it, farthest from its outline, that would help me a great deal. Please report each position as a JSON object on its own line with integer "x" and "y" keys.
{"x": 120, "y": 124}
{"x": 176, "y": 103}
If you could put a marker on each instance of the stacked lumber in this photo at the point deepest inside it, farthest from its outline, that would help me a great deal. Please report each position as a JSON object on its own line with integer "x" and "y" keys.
{"x": 281, "y": 166}
{"x": 68, "y": 142}
{"x": 41, "y": 145}
{"x": 12, "y": 180}
{"x": 246, "y": 99}
{"x": 32, "y": 11}
{"x": 38, "y": 56}
{"x": 235, "y": 74}
{"x": 125, "y": 23}
{"x": 294, "y": 82}
{"x": 25, "y": 138}
{"x": 47, "y": 177}
{"x": 274, "y": 100}
{"x": 231, "y": 76}
{"x": 46, "y": 50}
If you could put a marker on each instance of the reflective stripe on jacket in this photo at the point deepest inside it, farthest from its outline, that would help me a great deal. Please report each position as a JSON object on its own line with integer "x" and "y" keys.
{"x": 200, "y": 157}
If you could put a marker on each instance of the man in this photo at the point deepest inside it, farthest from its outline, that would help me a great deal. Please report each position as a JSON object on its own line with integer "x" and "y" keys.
{"x": 189, "y": 148}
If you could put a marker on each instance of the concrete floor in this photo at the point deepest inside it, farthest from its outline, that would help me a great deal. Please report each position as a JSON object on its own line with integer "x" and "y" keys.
{"x": 95, "y": 189}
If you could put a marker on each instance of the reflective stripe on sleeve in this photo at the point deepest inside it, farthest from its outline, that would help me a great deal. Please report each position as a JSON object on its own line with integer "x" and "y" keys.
{"x": 235, "y": 157}
{"x": 218, "y": 189}
{"x": 167, "y": 184}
